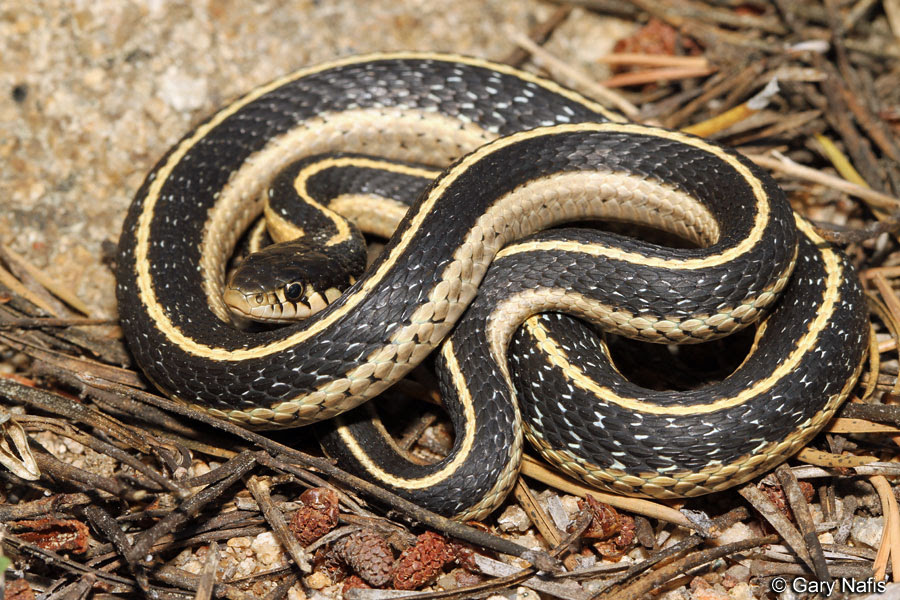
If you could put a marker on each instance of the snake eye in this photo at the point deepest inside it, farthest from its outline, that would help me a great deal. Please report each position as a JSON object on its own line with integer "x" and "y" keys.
{"x": 293, "y": 291}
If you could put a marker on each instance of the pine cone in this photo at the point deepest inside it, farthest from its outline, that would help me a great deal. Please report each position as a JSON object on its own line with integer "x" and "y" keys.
{"x": 421, "y": 564}
{"x": 368, "y": 554}
{"x": 318, "y": 516}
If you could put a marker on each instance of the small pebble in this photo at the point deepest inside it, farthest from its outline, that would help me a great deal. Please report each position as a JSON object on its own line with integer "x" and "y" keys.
{"x": 867, "y": 530}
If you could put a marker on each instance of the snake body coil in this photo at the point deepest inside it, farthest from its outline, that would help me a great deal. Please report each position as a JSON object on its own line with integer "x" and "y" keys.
{"x": 534, "y": 155}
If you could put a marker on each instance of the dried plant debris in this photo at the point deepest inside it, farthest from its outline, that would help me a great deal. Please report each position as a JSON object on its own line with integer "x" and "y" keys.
{"x": 109, "y": 490}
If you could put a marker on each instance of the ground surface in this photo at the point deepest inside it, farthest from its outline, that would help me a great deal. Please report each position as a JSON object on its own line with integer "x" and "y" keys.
{"x": 92, "y": 93}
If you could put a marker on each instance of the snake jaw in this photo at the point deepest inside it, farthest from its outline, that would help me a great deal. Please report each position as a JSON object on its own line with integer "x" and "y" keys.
{"x": 265, "y": 307}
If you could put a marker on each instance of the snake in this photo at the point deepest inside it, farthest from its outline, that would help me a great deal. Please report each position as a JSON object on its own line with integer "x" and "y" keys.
{"x": 493, "y": 272}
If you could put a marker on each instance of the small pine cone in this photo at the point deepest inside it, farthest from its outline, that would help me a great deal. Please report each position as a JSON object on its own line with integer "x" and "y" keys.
{"x": 615, "y": 531}
{"x": 368, "y": 554}
{"x": 421, "y": 564}
{"x": 605, "y": 522}
{"x": 317, "y": 516}
{"x": 614, "y": 548}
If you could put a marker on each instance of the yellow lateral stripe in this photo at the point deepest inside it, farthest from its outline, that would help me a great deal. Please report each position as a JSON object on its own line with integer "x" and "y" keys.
{"x": 303, "y": 177}
{"x": 834, "y": 272}
{"x": 450, "y": 468}
{"x": 217, "y": 353}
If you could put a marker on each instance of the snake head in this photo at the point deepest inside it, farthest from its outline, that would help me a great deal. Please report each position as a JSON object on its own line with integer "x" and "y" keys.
{"x": 289, "y": 282}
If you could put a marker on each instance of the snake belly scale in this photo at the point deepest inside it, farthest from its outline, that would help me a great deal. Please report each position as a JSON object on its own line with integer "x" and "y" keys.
{"x": 528, "y": 155}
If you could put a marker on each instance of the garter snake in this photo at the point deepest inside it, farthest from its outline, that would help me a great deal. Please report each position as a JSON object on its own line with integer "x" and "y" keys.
{"x": 520, "y": 154}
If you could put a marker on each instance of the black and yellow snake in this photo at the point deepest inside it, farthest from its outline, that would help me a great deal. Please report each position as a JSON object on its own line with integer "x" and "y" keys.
{"x": 519, "y": 155}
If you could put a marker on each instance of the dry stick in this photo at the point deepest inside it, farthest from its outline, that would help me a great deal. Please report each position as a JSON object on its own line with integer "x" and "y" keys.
{"x": 64, "y": 361}
{"x": 539, "y": 35}
{"x": 839, "y": 160}
{"x": 17, "y": 267}
{"x": 789, "y": 167}
{"x": 16, "y": 544}
{"x": 546, "y": 60}
{"x": 63, "y": 406}
{"x": 793, "y": 124}
{"x": 888, "y": 469}
{"x": 53, "y": 467}
{"x": 535, "y": 470}
{"x": 38, "y": 322}
{"x": 839, "y": 117}
{"x": 652, "y": 60}
{"x": 428, "y": 518}
{"x": 819, "y": 458}
{"x": 874, "y": 126}
{"x": 190, "y": 507}
{"x": 800, "y": 508}
{"x": 891, "y": 537}
{"x": 15, "y": 286}
{"x": 275, "y": 518}
{"x": 727, "y": 81}
{"x": 314, "y": 480}
{"x": 719, "y": 524}
{"x": 889, "y": 318}
{"x": 109, "y": 527}
{"x": 642, "y": 587}
{"x": 879, "y": 413}
{"x": 188, "y": 581}
{"x": 874, "y": 365}
{"x": 782, "y": 525}
{"x": 59, "y": 503}
{"x": 845, "y": 425}
{"x": 537, "y": 515}
{"x": 207, "y": 581}
{"x": 101, "y": 447}
{"x": 48, "y": 283}
{"x": 762, "y": 568}
{"x": 656, "y": 75}
{"x": 734, "y": 115}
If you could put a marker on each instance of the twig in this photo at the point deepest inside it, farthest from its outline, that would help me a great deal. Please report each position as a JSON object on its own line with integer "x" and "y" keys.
{"x": 537, "y": 515}
{"x": 890, "y": 542}
{"x": 539, "y": 34}
{"x": 554, "y": 65}
{"x": 207, "y": 580}
{"x": 804, "y": 519}
{"x": 656, "y": 75}
{"x": 38, "y": 322}
{"x": 643, "y": 586}
{"x": 425, "y": 517}
{"x": 275, "y": 518}
{"x": 770, "y": 513}
{"x": 789, "y": 167}
{"x": 189, "y": 508}
{"x": 535, "y": 470}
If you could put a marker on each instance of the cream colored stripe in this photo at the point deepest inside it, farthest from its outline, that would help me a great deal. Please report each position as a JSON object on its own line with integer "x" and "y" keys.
{"x": 784, "y": 369}
{"x": 370, "y": 213}
{"x": 303, "y": 177}
{"x": 213, "y": 287}
{"x": 450, "y": 468}
{"x": 216, "y": 353}
{"x": 279, "y": 228}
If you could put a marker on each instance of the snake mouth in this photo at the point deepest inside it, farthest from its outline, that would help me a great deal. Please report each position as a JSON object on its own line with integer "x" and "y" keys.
{"x": 265, "y": 307}
{"x": 238, "y": 302}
